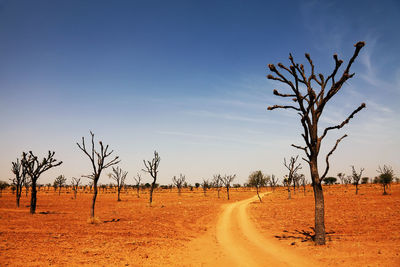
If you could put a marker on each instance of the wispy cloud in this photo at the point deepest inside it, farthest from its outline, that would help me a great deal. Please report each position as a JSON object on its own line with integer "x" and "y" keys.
{"x": 205, "y": 137}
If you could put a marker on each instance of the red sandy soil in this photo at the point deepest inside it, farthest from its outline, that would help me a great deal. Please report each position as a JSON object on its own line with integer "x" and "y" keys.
{"x": 143, "y": 235}
{"x": 193, "y": 230}
{"x": 365, "y": 228}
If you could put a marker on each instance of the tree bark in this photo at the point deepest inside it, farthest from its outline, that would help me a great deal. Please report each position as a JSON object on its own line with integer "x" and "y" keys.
{"x": 288, "y": 190}
{"x": 94, "y": 199}
{"x": 33, "y": 197}
{"x": 18, "y": 196}
{"x": 227, "y": 191}
{"x": 319, "y": 205}
{"x": 152, "y": 189}
{"x": 258, "y": 194}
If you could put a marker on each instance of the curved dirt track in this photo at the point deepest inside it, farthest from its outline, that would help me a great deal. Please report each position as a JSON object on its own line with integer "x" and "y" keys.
{"x": 245, "y": 246}
{"x": 235, "y": 241}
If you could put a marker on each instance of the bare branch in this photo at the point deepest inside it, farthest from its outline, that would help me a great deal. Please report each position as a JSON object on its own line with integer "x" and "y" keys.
{"x": 344, "y": 122}
{"x": 285, "y": 107}
{"x": 329, "y": 154}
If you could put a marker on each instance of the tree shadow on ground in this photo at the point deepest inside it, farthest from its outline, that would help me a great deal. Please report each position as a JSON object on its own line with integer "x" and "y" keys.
{"x": 302, "y": 235}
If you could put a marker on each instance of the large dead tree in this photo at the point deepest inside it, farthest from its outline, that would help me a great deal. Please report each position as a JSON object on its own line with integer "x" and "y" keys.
{"x": 292, "y": 168}
{"x": 152, "y": 169}
{"x": 19, "y": 180}
{"x": 226, "y": 181}
{"x": 356, "y": 177}
{"x": 98, "y": 161}
{"x": 138, "y": 180}
{"x": 309, "y": 104}
{"x": 34, "y": 168}
{"x": 119, "y": 176}
{"x": 178, "y": 182}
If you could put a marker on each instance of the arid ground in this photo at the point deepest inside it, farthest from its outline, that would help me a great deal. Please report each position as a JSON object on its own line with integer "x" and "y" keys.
{"x": 197, "y": 230}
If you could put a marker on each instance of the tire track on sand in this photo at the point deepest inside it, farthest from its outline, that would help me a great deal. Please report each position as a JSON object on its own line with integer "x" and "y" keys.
{"x": 245, "y": 246}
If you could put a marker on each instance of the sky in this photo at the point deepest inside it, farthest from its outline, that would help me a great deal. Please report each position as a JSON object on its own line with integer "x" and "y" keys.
{"x": 188, "y": 79}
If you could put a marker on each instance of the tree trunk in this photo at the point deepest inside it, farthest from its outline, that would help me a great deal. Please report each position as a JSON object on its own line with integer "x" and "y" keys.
{"x": 384, "y": 189}
{"x": 119, "y": 193}
{"x": 258, "y": 194}
{"x": 288, "y": 190}
{"x": 319, "y": 204}
{"x": 357, "y": 189}
{"x": 227, "y": 191}
{"x": 138, "y": 195}
{"x": 151, "y": 189}
{"x": 59, "y": 190}
{"x": 33, "y": 197}
{"x": 18, "y": 196}
{"x": 319, "y": 215}
{"x": 94, "y": 199}
{"x": 75, "y": 191}
{"x": 218, "y": 189}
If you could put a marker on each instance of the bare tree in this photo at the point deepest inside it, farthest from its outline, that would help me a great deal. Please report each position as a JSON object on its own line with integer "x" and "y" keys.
{"x": 205, "y": 184}
{"x": 137, "y": 180}
{"x": 178, "y": 182}
{"x": 303, "y": 182}
{"x": 152, "y": 169}
{"x": 342, "y": 177}
{"x": 98, "y": 160}
{"x": 296, "y": 182}
{"x": 34, "y": 168}
{"x": 59, "y": 182}
{"x": 119, "y": 176}
{"x": 217, "y": 182}
{"x": 257, "y": 179}
{"x": 356, "y": 177}
{"x": 385, "y": 177}
{"x": 27, "y": 184}
{"x": 273, "y": 182}
{"x": 226, "y": 181}
{"x": 19, "y": 180}
{"x": 309, "y": 104}
{"x": 292, "y": 168}
{"x": 75, "y": 185}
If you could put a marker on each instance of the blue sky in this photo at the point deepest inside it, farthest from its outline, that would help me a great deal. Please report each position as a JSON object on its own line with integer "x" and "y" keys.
{"x": 187, "y": 78}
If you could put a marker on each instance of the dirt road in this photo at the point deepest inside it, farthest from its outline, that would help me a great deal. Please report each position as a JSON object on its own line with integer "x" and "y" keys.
{"x": 243, "y": 244}
{"x": 235, "y": 241}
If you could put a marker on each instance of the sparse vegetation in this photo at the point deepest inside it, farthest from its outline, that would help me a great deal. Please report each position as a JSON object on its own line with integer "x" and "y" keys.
{"x": 59, "y": 182}
{"x": 19, "y": 180}
{"x": 75, "y": 185}
{"x": 356, "y": 177}
{"x": 386, "y": 176}
{"x": 257, "y": 179}
{"x": 292, "y": 168}
{"x": 98, "y": 164}
{"x": 34, "y": 168}
{"x": 152, "y": 169}
{"x": 138, "y": 179}
{"x": 179, "y": 182}
{"x": 226, "y": 181}
{"x": 119, "y": 176}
